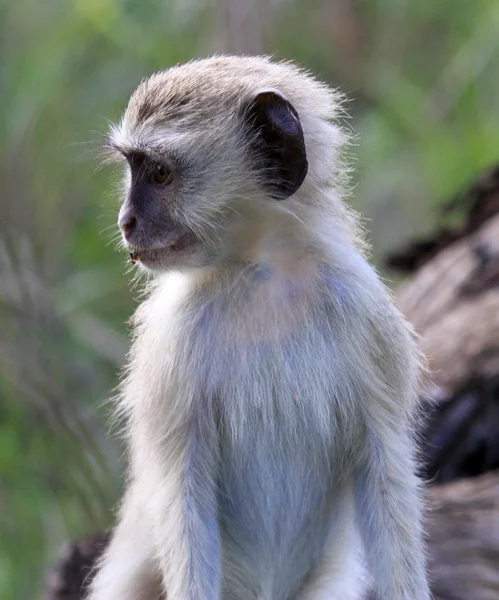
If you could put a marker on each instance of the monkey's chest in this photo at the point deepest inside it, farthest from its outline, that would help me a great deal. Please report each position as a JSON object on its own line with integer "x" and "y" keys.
{"x": 275, "y": 404}
{"x": 275, "y": 494}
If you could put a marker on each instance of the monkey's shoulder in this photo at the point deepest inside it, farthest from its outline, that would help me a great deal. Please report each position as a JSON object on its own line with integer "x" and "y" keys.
{"x": 338, "y": 339}
{"x": 332, "y": 302}
{"x": 335, "y": 312}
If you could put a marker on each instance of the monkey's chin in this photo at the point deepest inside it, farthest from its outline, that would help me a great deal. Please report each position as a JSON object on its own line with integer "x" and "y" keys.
{"x": 175, "y": 255}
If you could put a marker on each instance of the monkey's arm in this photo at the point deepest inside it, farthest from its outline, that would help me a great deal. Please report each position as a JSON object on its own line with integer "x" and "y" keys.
{"x": 184, "y": 509}
{"x": 127, "y": 569}
{"x": 389, "y": 515}
{"x": 167, "y": 537}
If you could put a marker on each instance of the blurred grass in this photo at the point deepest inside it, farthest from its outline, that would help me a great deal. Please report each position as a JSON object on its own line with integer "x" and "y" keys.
{"x": 424, "y": 82}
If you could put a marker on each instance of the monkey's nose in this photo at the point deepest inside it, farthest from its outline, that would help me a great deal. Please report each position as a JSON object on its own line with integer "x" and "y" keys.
{"x": 127, "y": 223}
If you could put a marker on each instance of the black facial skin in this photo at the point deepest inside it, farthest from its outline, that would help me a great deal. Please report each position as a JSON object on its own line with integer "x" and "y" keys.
{"x": 144, "y": 217}
{"x": 277, "y": 143}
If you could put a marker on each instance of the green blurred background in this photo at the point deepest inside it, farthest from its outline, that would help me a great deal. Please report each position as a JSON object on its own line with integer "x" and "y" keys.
{"x": 423, "y": 79}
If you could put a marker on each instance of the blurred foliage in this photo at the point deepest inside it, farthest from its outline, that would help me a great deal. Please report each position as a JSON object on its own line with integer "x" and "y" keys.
{"x": 423, "y": 78}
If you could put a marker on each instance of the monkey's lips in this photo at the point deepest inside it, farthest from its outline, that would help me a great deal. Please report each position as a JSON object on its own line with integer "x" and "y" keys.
{"x": 169, "y": 253}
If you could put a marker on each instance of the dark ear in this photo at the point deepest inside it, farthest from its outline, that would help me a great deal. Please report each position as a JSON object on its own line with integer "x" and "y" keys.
{"x": 276, "y": 141}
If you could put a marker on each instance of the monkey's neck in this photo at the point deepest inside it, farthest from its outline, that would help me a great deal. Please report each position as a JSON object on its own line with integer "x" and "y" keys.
{"x": 277, "y": 242}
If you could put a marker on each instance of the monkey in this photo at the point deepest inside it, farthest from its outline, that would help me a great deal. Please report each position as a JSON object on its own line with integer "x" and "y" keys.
{"x": 271, "y": 389}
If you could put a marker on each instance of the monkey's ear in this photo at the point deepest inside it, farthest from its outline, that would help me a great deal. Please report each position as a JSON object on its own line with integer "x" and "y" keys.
{"x": 277, "y": 142}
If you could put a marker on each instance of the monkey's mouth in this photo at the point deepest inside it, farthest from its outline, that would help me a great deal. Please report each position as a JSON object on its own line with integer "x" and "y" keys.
{"x": 150, "y": 257}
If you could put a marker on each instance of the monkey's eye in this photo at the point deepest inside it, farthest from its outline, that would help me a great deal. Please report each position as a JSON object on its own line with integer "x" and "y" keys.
{"x": 161, "y": 175}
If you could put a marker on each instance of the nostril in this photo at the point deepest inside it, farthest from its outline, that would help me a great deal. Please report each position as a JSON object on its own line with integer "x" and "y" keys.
{"x": 128, "y": 224}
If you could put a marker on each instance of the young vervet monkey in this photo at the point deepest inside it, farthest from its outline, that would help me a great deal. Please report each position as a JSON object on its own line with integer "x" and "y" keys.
{"x": 271, "y": 381}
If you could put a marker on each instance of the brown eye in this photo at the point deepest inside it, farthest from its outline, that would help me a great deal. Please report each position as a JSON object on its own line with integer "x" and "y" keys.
{"x": 161, "y": 175}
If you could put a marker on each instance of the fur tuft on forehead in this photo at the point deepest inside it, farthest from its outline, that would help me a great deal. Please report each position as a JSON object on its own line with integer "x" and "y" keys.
{"x": 211, "y": 87}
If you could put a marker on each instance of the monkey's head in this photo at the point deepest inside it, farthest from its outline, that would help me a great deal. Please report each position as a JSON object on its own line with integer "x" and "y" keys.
{"x": 212, "y": 149}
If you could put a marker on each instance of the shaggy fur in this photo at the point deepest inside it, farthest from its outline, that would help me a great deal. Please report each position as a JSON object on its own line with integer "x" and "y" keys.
{"x": 271, "y": 382}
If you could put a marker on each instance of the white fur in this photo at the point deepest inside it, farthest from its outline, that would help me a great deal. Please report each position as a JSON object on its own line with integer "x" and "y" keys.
{"x": 268, "y": 401}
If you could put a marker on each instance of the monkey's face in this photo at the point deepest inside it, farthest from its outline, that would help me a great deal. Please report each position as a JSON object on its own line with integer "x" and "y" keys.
{"x": 150, "y": 218}
{"x": 198, "y": 169}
